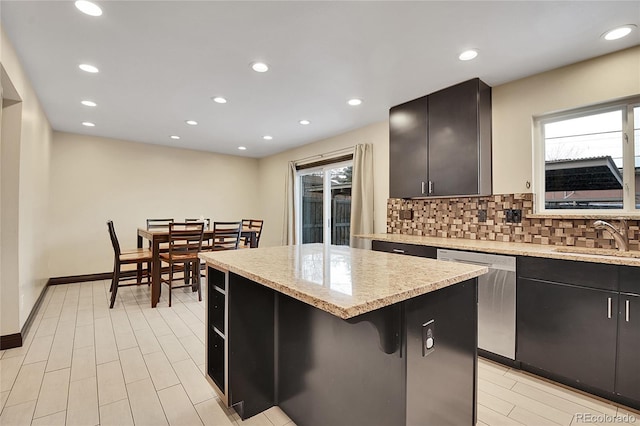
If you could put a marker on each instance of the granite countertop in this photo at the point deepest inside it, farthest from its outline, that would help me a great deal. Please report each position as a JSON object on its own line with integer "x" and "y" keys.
{"x": 343, "y": 281}
{"x": 612, "y": 257}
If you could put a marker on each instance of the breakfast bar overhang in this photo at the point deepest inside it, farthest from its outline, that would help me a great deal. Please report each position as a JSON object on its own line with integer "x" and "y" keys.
{"x": 341, "y": 336}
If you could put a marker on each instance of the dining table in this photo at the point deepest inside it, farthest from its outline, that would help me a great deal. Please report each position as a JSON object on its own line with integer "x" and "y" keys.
{"x": 158, "y": 236}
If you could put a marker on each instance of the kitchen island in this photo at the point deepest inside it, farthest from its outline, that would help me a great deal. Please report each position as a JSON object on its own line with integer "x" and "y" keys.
{"x": 342, "y": 336}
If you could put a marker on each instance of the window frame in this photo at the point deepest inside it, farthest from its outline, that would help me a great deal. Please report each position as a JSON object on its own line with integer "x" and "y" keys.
{"x": 626, "y": 105}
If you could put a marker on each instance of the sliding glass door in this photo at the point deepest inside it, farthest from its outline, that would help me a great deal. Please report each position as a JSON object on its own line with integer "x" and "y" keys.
{"x": 324, "y": 204}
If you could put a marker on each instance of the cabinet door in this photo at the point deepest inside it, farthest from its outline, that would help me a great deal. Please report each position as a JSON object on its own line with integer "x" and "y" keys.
{"x": 454, "y": 140}
{"x": 628, "y": 371}
{"x": 408, "y": 149}
{"x": 568, "y": 331}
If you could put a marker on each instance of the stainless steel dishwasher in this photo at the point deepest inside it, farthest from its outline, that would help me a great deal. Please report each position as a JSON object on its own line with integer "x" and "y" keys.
{"x": 496, "y": 299}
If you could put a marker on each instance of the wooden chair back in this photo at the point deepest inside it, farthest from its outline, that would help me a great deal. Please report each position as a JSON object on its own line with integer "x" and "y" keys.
{"x": 114, "y": 239}
{"x": 185, "y": 240}
{"x": 254, "y": 224}
{"x": 207, "y": 222}
{"x": 158, "y": 223}
{"x": 226, "y": 235}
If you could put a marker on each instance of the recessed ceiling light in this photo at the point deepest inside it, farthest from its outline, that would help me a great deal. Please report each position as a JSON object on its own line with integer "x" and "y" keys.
{"x": 260, "y": 67}
{"x": 619, "y": 32}
{"x": 468, "y": 55}
{"x": 242, "y": 148}
{"x": 354, "y": 102}
{"x": 304, "y": 122}
{"x": 89, "y": 103}
{"x": 267, "y": 137}
{"x": 88, "y": 8}
{"x": 88, "y": 124}
{"x": 174, "y": 137}
{"x": 219, "y": 100}
{"x": 191, "y": 122}
{"x": 88, "y": 68}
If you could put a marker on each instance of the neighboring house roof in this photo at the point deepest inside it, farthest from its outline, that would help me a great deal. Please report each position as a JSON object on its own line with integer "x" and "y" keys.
{"x": 594, "y": 173}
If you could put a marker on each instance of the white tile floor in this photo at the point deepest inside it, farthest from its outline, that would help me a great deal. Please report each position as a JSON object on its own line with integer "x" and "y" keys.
{"x": 84, "y": 364}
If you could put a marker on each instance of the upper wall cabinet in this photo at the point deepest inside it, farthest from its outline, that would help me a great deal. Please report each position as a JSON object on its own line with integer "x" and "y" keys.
{"x": 440, "y": 144}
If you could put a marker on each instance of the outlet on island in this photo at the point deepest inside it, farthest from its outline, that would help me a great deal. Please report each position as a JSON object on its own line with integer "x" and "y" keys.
{"x": 482, "y": 215}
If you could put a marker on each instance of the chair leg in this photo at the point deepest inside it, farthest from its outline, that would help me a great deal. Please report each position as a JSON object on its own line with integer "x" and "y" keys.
{"x": 113, "y": 278}
{"x": 196, "y": 275}
{"x": 170, "y": 281}
{"x": 199, "y": 284}
{"x": 114, "y": 284}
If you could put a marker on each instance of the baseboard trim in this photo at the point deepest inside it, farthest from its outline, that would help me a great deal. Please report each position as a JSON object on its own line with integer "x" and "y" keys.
{"x": 16, "y": 340}
{"x": 82, "y": 278}
{"x": 27, "y": 324}
{"x": 10, "y": 341}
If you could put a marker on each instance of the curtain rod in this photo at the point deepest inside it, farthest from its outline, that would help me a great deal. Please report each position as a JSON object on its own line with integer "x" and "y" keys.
{"x": 326, "y": 154}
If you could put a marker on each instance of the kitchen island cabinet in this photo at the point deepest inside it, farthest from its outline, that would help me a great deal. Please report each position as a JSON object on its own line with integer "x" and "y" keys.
{"x": 335, "y": 335}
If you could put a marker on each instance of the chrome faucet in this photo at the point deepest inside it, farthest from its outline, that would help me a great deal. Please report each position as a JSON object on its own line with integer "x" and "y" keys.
{"x": 619, "y": 235}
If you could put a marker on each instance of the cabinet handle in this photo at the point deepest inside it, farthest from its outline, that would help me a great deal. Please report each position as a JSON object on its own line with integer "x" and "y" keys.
{"x": 430, "y": 187}
{"x": 627, "y": 310}
{"x": 398, "y": 251}
{"x": 608, "y": 307}
{"x": 422, "y": 190}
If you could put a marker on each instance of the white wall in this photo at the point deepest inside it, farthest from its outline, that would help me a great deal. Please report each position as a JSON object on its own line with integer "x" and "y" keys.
{"x": 273, "y": 171}
{"x": 96, "y": 179}
{"x": 31, "y": 184}
{"x": 514, "y": 104}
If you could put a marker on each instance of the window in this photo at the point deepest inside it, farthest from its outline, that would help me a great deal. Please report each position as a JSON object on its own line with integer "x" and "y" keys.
{"x": 324, "y": 203}
{"x": 589, "y": 158}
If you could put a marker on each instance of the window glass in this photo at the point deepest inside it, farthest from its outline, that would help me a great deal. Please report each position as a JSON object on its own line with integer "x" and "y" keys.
{"x": 583, "y": 162}
{"x": 312, "y": 212}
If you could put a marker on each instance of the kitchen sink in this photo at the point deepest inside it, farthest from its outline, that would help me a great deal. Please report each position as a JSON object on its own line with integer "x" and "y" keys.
{"x": 598, "y": 251}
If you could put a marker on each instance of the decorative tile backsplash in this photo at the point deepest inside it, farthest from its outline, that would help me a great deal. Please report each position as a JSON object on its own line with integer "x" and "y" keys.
{"x": 462, "y": 217}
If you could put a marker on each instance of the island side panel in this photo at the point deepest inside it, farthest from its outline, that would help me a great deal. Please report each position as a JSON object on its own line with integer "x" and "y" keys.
{"x": 442, "y": 381}
{"x": 340, "y": 372}
{"x": 251, "y": 346}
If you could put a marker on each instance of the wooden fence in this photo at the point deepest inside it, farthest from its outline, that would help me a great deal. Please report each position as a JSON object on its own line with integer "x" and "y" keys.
{"x": 312, "y": 220}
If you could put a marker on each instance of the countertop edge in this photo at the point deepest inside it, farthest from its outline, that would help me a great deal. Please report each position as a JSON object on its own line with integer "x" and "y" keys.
{"x": 506, "y": 248}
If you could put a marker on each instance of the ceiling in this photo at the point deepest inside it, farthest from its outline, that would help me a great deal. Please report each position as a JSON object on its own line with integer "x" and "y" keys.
{"x": 161, "y": 62}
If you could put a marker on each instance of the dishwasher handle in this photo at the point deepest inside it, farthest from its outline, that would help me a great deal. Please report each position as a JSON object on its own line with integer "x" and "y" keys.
{"x": 469, "y": 262}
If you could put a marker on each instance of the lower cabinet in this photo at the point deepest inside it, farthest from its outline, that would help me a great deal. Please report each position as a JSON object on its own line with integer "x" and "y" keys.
{"x": 568, "y": 331}
{"x": 628, "y": 367}
{"x": 584, "y": 332}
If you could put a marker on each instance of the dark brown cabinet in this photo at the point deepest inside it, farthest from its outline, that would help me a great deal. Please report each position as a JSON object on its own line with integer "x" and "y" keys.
{"x": 408, "y": 149}
{"x": 568, "y": 331}
{"x": 440, "y": 144}
{"x": 628, "y": 367}
{"x": 579, "y": 323}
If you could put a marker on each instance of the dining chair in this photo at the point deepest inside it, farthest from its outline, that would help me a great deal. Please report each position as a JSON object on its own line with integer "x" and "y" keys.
{"x": 158, "y": 223}
{"x": 185, "y": 242}
{"x": 207, "y": 222}
{"x": 128, "y": 257}
{"x": 226, "y": 235}
{"x": 253, "y": 224}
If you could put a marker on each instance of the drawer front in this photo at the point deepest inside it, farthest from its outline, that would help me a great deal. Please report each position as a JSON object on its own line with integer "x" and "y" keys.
{"x": 630, "y": 279}
{"x": 408, "y": 249}
{"x": 584, "y": 274}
